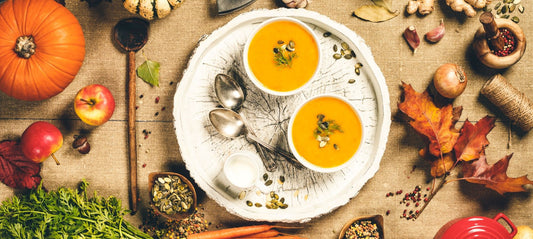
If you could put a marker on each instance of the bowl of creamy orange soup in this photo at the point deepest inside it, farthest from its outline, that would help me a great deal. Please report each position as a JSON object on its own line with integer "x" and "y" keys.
{"x": 325, "y": 133}
{"x": 282, "y": 56}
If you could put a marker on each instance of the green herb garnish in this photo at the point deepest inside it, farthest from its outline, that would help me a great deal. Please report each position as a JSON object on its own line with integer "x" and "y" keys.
{"x": 284, "y": 53}
{"x": 65, "y": 213}
{"x": 324, "y": 129}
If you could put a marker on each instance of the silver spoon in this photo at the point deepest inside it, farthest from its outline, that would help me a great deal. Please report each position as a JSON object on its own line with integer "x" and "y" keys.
{"x": 231, "y": 96}
{"x": 230, "y": 124}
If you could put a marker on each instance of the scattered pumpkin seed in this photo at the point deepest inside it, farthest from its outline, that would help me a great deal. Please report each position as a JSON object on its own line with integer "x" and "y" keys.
{"x": 357, "y": 71}
{"x": 353, "y": 53}
{"x": 497, "y": 6}
{"x": 258, "y": 204}
{"x": 345, "y": 46}
{"x": 506, "y": 16}
{"x": 515, "y": 19}
{"x": 268, "y": 183}
{"x": 265, "y": 177}
{"x": 242, "y": 195}
{"x": 505, "y": 8}
{"x": 337, "y": 56}
{"x": 517, "y": 1}
{"x": 521, "y": 8}
{"x": 280, "y": 42}
{"x": 351, "y": 81}
{"x": 335, "y": 146}
{"x": 282, "y": 178}
{"x": 499, "y": 11}
{"x": 290, "y": 46}
{"x": 335, "y": 48}
{"x": 512, "y": 7}
{"x": 348, "y": 56}
{"x": 249, "y": 203}
{"x": 327, "y": 34}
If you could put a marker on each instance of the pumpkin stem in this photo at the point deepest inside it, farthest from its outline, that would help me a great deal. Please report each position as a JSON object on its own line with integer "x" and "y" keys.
{"x": 25, "y": 46}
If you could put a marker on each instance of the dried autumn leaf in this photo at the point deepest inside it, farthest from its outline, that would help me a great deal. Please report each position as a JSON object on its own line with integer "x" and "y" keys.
{"x": 494, "y": 176}
{"x": 148, "y": 71}
{"x": 437, "y": 124}
{"x": 442, "y": 165}
{"x": 473, "y": 139}
{"x": 374, "y": 13}
{"x": 384, "y": 3}
{"x": 16, "y": 170}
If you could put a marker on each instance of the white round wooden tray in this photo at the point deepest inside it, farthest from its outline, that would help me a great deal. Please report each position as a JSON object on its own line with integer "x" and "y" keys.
{"x": 308, "y": 194}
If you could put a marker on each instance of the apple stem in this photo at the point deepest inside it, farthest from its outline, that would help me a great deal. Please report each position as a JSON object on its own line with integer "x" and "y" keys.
{"x": 54, "y": 157}
{"x": 89, "y": 102}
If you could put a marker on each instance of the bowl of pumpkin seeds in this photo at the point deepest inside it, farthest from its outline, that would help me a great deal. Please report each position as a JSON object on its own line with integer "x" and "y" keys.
{"x": 172, "y": 195}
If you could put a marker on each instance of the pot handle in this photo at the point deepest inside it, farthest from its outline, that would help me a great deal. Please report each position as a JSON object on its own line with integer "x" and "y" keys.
{"x": 506, "y": 219}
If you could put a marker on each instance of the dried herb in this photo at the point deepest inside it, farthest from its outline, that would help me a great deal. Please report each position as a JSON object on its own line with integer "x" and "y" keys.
{"x": 148, "y": 71}
{"x": 284, "y": 53}
{"x": 16, "y": 170}
{"x": 63, "y": 214}
{"x": 324, "y": 129}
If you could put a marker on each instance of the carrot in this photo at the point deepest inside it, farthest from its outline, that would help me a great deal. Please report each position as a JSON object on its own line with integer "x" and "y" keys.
{"x": 265, "y": 234}
{"x": 231, "y": 232}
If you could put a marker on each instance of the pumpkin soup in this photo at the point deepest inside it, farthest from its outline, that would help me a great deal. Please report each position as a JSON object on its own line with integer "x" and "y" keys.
{"x": 283, "y": 56}
{"x": 326, "y": 131}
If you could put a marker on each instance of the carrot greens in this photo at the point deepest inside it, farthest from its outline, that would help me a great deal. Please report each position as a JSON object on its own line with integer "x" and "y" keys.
{"x": 65, "y": 213}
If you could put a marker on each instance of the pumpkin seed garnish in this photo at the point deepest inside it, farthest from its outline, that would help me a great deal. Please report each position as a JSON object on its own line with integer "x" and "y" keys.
{"x": 265, "y": 177}
{"x": 284, "y": 54}
{"x": 249, "y": 203}
{"x": 282, "y": 179}
{"x": 337, "y": 56}
{"x": 351, "y": 81}
{"x": 515, "y": 19}
{"x": 345, "y": 46}
{"x": 327, "y": 34}
{"x": 357, "y": 71}
{"x": 335, "y": 48}
{"x": 512, "y": 7}
{"x": 521, "y": 8}
{"x": 348, "y": 56}
{"x": 324, "y": 129}
{"x": 258, "y": 204}
{"x": 497, "y": 6}
{"x": 242, "y": 195}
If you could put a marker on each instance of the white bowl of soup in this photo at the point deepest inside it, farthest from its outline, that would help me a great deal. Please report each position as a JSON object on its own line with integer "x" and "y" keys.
{"x": 325, "y": 133}
{"x": 282, "y": 56}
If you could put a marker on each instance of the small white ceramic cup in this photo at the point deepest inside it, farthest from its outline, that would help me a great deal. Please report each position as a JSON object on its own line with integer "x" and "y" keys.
{"x": 242, "y": 169}
{"x": 251, "y": 75}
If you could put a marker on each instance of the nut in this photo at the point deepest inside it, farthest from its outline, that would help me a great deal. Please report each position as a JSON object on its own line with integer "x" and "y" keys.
{"x": 81, "y": 144}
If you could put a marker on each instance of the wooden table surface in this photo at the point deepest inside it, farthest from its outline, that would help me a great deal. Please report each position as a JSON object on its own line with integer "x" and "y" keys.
{"x": 172, "y": 41}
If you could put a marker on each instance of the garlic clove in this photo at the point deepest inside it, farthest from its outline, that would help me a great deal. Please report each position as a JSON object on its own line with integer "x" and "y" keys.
{"x": 436, "y": 34}
{"x": 412, "y": 38}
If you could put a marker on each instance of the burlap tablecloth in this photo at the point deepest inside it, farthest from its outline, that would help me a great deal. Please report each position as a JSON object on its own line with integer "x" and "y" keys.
{"x": 172, "y": 41}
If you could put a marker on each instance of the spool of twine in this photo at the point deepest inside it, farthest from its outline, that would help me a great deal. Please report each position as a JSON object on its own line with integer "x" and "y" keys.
{"x": 513, "y": 103}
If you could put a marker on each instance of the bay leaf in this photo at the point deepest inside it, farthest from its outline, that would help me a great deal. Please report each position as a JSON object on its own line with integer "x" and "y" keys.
{"x": 384, "y": 3}
{"x": 148, "y": 71}
{"x": 374, "y": 13}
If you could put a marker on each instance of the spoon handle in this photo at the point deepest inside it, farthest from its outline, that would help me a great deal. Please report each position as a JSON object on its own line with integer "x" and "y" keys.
{"x": 271, "y": 148}
{"x": 132, "y": 139}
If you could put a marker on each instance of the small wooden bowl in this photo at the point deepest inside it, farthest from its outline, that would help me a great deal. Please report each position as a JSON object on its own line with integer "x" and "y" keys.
{"x": 178, "y": 215}
{"x": 483, "y": 51}
{"x": 377, "y": 219}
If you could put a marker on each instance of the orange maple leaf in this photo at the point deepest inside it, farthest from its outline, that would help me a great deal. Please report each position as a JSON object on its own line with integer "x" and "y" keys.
{"x": 437, "y": 124}
{"x": 473, "y": 139}
{"x": 494, "y": 176}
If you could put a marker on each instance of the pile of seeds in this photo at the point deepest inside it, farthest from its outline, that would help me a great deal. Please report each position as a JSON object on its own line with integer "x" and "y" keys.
{"x": 363, "y": 229}
{"x": 273, "y": 200}
{"x": 173, "y": 229}
{"x": 345, "y": 52}
{"x": 505, "y": 8}
{"x": 171, "y": 195}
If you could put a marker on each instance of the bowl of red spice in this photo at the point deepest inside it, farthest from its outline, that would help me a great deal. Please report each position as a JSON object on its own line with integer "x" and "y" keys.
{"x": 368, "y": 227}
{"x": 499, "y": 43}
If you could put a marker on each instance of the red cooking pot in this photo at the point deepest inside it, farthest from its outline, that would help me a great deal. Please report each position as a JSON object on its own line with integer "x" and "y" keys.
{"x": 477, "y": 227}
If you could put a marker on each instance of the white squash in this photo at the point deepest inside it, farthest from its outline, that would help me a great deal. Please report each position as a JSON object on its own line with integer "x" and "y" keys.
{"x": 151, "y": 9}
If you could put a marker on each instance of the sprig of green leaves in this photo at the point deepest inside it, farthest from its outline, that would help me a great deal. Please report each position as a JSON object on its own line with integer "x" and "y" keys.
{"x": 65, "y": 213}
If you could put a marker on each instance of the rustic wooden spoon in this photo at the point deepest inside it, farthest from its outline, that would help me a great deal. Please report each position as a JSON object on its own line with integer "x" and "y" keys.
{"x": 131, "y": 34}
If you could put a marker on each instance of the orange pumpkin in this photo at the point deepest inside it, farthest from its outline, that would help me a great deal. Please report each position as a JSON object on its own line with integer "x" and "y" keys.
{"x": 41, "y": 48}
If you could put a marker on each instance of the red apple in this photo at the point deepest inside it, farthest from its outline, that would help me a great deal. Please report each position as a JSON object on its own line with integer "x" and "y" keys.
{"x": 94, "y": 104}
{"x": 40, "y": 140}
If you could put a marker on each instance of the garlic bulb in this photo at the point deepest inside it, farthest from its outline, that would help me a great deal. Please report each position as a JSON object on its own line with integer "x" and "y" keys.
{"x": 296, "y": 3}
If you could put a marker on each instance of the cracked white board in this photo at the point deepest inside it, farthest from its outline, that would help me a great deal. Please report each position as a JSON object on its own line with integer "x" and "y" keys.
{"x": 308, "y": 194}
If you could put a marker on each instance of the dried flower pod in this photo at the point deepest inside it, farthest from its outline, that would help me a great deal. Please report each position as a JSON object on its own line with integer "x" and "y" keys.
{"x": 412, "y": 38}
{"x": 436, "y": 33}
{"x": 81, "y": 144}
